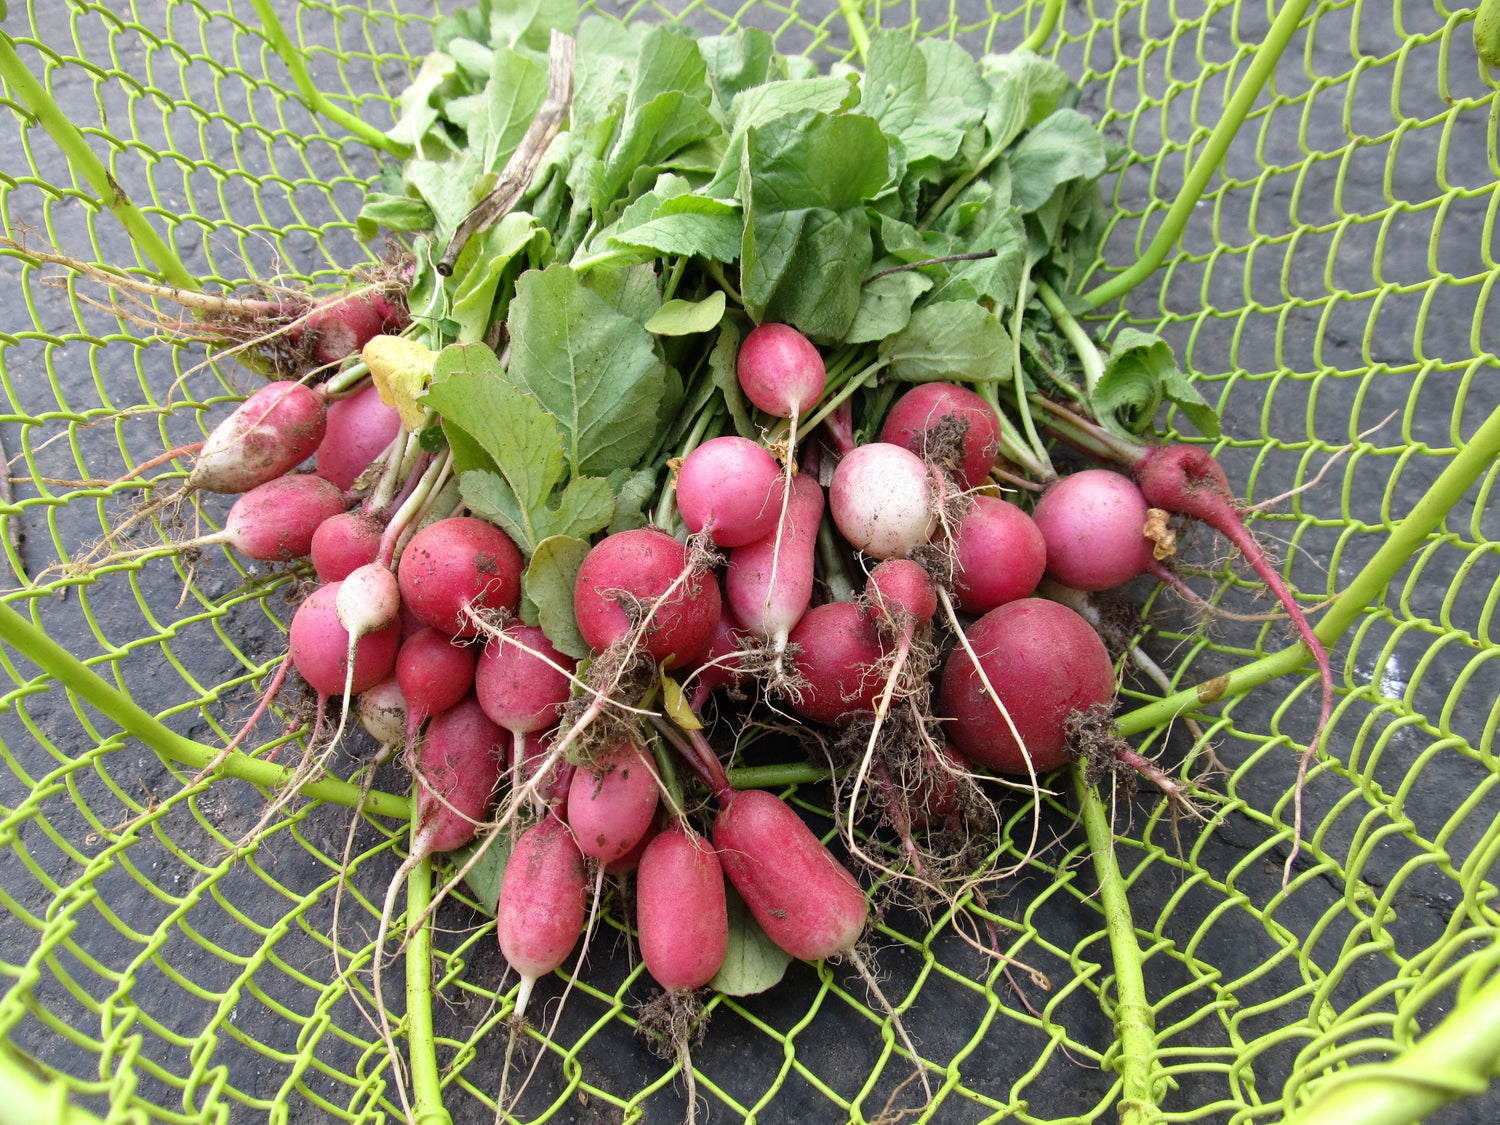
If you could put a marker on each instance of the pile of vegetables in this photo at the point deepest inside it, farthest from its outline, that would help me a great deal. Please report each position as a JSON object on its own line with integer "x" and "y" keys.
{"x": 711, "y": 396}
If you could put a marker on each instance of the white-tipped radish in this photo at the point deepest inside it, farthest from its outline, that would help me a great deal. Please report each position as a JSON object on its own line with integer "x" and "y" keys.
{"x": 269, "y": 434}
{"x": 382, "y": 712}
{"x": 881, "y": 498}
{"x": 541, "y": 912}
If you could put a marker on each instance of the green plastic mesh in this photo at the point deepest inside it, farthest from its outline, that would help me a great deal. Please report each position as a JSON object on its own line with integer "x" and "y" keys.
{"x": 1332, "y": 288}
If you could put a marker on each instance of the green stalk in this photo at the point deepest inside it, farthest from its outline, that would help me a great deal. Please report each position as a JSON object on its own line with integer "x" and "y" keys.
{"x": 1453, "y": 1060}
{"x": 1043, "y": 30}
{"x": 831, "y": 404}
{"x": 831, "y": 563}
{"x": 1133, "y": 1018}
{"x": 1256, "y": 76}
{"x": 1085, "y": 348}
{"x": 426, "y": 1083}
{"x": 316, "y": 100}
{"x": 88, "y": 687}
{"x": 31, "y": 1094}
{"x": 666, "y": 770}
{"x": 858, "y": 34}
{"x": 1472, "y": 461}
{"x": 157, "y": 250}
{"x": 777, "y": 776}
{"x": 349, "y": 377}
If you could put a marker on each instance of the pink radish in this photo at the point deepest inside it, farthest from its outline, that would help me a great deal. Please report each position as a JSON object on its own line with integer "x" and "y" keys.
{"x": 769, "y": 583}
{"x": 343, "y": 543}
{"x": 540, "y": 915}
{"x": 999, "y": 555}
{"x": 611, "y": 806}
{"x": 729, "y": 487}
{"x": 949, "y": 425}
{"x": 839, "y": 649}
{"x": 649, "y": 572}
{"x": 1043, "y": 662}
{"x": 320, "y": 646}
{"x": 522, "y": 680}
{"x": 434, "y": 674}
{"x": 720, "y": 666}
{"x": 359, "y": 429}
{"x": 458, "y": 766}
{"x": 882, "y": 500}
{"x": 1093, "y": 523}
{"x": 631, "y": 860}
{"x": 456, "y": 565}
{"x": 269, "y": 434}
{"x": 338, "y": 327}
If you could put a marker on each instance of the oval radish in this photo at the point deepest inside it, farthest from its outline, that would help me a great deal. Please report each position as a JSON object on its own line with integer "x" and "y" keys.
{"x": 269, "y": 434}
{"x": 947, "y": 424}
{"x": 681, "y": 910}
{"x": 610, "y": 807}
{"x": 540, "y": 915}
{"x": 457, "y": 564}
{"x": 780, "y": 371}
{"x": 358, "y": 430}
{"x": 731, "y": 488}
{"x": 320, "y": 645}
{"x": 769, "y": 583}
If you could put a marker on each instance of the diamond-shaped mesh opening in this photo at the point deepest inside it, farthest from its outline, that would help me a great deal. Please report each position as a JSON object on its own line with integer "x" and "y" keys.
{"x": 1332, "y": 288}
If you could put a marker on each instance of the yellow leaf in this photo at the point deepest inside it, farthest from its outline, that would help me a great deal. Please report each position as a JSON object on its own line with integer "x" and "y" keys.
{"x": 676, "y": 705}
{"x": 401, "y": 370}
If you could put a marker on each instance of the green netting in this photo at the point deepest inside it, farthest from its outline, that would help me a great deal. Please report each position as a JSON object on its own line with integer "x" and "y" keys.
{"x": 1330, "y": 281}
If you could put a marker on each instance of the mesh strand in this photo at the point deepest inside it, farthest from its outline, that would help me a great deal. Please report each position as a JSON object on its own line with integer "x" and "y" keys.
{"x": 1333, "y": 292}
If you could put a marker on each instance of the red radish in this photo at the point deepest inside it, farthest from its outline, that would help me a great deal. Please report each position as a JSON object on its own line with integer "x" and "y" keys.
{"x": 610, "y": 807}
{"x": 780, "y": 371}
{"x": 650, "y": 572}
{"x": 769, "y": 583}
{"x": 434, "y": 674}
{"x": 1094, "y": 523}
{"x": 269, "y": 434}
{"x": 458, "y": 564}
{"x": 359, "y": 429}
{"x": 1043, "y": 662}
{"x": 882, "y": 500}
{"x": 1188, "y": 481}
{"x": 949, "y": 425}
{"x": 320, "y": 646}
{"x": 904, "y": 593}
{"x": 999, "y": 555}
{"x": 522, "y": 680}
{"x": 382, "y": 712}
{"x": 339, "y": 327}
{"x": 729, "y": 487}
{"x": 552, "y": 790}
{"x": 681, "y": 910}
{"x": 720, "y": 666}
{"x": 458, "y": 767}
{"x": 540, "y": 915}
{"x": 839, "y": 650}
{"x": 631, "y": 860}
{"x": 343, "y": 543}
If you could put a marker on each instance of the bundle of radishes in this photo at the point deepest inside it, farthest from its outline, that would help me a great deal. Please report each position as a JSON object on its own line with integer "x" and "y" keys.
{"x": 754, "y": 383}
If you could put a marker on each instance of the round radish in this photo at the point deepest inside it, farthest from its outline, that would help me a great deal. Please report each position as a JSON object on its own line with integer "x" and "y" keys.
{"x": 434, "y": 674}
{"x": 359, "y": 429}
{"x": 1094, "y": 524}
{"x": 730, "y": 487}
{"x": 636, "y": 569}
{"x": 320, "y": 645}
{"x": 900, "y": 584}
{"x": 839, "y": 650}
{"x": 948, "y": 424}
{"x": 1044, "y": 662}
{"x": 519, "y": 681}
{"x": 343, "y": 543}
{"x": 999, "y": 555}
{"x": 882, "y": 501}
{"x": 457, "y": 564}
{"x": 780, "y": 371}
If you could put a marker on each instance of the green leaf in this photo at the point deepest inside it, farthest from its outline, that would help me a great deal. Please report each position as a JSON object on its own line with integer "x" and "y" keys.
{"x": 885, "y": 304}
{"x": 760, "y": 105}
{"x": 1139, "y": 373}
{"x": 549, "y": 582}
{"x": 1025, "y": 89}
{"x": 895, "y": 94}
{"x": 517, "y": 88}
{"x": 687, "y": 225}
{"x": 487, "y": 875}
{"x": 1065, "y": 146}
{"x": 954, "y": 340}
{"x": 633, "y": 491}
{"x": 721, "y": 369}
{"x": 399, "y": 213}
{"x": 471, "y": 391}
{"x": 478, "y": 280}
{"x": 436, "y": 80}
{"x": 530, "y": 23}
{"x": 594, "y": 369}
{"x": 753, "y": 963}
{"x": 683, "y": 318}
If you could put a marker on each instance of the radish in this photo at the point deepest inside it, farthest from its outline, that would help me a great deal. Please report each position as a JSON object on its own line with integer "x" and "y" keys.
{"x": 457, "y": 566}
{"x": 682, "y": 916}
{"x": 1038, "y": 662}
{"x": 540, "y": 915}
{"x": 611, "y": 806}
{"x": 882, "y": 500}
{"x": 320, "y": 647}
{"x": 269, "y": 434}
{"x": 948, "y": 425}
{"x": 458, "y": 766}
{"x": 728, "y": 487}
{"x": 839, "y": 650}
{"x": 343, "y": 543}
{"x": 1093, "y": 523}
{"x": 999, "y": 555}
{"x": 522, "y": 680}
{"x": 382, "y": 711}
{"x": 434, "y": 674}
{"x": 642, "y": 582}
{"x": 359, "y": 429}
{"x": 721, "y": 664}
{"x": 769, "y": 603}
